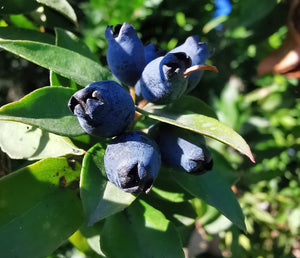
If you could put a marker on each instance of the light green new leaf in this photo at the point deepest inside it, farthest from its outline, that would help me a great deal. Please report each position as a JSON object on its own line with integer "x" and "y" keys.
{"x": 38, "y": 208}
{"x": 201, "y": 121}
{"x": 100, "y": 198}
{"x": 61, "y": 6}
{"x": 65, "y": 62}
{"x": 140, "y": 231}
{"x": 46, "y": 108}
{"x": 21, "y": 141}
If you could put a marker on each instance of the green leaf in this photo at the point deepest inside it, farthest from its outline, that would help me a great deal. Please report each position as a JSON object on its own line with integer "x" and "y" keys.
{"x": 61, "y": 6}
{"x": 17, "y": 6}
{"x": 21, "y": 141}
{"x": 180, "y": 213}
{"x": 140, "y": 231}
{"x": 100, "y": 198}
{"x": 92, "y": 234}
{"x": 224, "y": 167}
{"x": 189, "y": 119}
{"x": 80, "y": 242}
{"x": 39, "y": 211}
{"x": 167, "y": 188}
{"x": 58, "y": 80}
{"x": 219, "y": 224}
{"x": 20, "y": 20}
{"x": 45, "y": 108}
{"x": 13, "y": 33}
{"x": 62, "y": 61}
{"x": 214, "y": 189}
{"x": 254, "y": 10}
{"x": 69, "y": 40}
{"x": 184, "y": 106}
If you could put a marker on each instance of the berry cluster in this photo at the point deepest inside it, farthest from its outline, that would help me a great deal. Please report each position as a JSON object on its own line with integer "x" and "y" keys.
{"x": 105, "y": 109}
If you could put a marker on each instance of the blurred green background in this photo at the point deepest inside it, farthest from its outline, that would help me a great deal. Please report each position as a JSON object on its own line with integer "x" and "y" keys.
{"x": 265, "y": 109}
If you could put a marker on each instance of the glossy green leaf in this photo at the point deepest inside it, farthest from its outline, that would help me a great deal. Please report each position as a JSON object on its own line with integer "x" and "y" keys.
{"x": 58, "y": 80}
{"x": 45, "y": 108}
{"x": 21, "y": 21}
{"x": 185, "y": 105}
{"x": 62, "y": 61}
{"x": 209, "y": 213}
{"x": 214, "y": 189}
{"x": 92, "y": 234}
{"x": 100, "y": 198}
{"x": 21, "y": 141}
{"x": 69, "y": 40}
{"x": 218, "y": 225}
{"x": 180, "y": 213}
{"x": 80, "y": 242}
{"x": 61, "y": 6}
{"x": 38, "y": 208}
{"x": 200, "y": 121}
{"x": 13, "y": 33}
{"x": 17, "y": 6}
{"x": 166, "y": 188}
{"x": 140, "y": 231}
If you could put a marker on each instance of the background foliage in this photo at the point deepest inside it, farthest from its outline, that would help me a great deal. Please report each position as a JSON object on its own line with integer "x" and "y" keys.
{"x": 264, "y": 110}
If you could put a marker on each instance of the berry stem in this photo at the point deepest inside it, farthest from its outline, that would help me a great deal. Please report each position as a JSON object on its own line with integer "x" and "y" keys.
{"x": 132, "y": 93}
{"x": 195, "y": 68}
{"x": 138, "y": 115}
{"x": 142, "y": 103}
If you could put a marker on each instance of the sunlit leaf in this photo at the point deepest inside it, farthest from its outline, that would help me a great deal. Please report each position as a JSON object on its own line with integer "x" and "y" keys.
{"x": 39, "y": 209}
{"x": 21, "y": 141}
{"x": 140, "y": 231}
{"x": 62, "y": 61}
{"x": 45, "y": 108}
{"x": 100, "y": 198}
{"x": 204, "y": 124}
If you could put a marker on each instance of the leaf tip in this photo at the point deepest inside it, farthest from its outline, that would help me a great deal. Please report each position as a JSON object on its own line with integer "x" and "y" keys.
{"x": 251, "y": 158}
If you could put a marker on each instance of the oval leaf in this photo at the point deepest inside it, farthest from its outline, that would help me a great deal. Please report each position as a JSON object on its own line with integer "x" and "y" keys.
{"x": 61, "y": 6}
{"x": 13, "y": 33}
{"x": 214, "y": 189}
{"x": 39, "y": 211}
{"x": 200, "y": 123}
{"x": 21, "y": 141}
{"x": 45, "y": 108}
{"x": 62, "y": 61}
{"x": 140, "y": 231}
{"x": 69, "y": 40}
{"x": 17, "y": 6}
{"x": 100, "y": 198}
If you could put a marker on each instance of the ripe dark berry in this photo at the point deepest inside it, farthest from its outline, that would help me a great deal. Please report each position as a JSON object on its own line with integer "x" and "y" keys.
{"x": 125, "y": 53}
{"x": 163, "y": 80}
{"x": 198, "y": 52}
{"x": 182, "y": 149}
{"x": 152, "y": 52}
{"x": 132, "y": 161}
{"x": 103, "y": 108}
